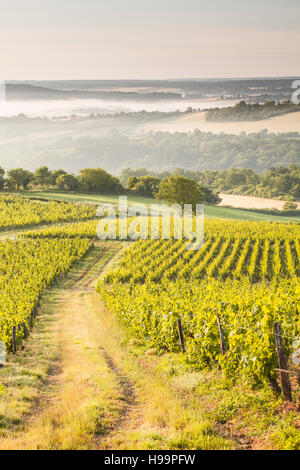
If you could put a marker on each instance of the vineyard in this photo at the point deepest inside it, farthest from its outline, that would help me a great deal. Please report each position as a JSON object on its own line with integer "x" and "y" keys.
{"x": 17, "y": 211}
{"x": 221, "y": 258}
{"x": 73, "y": 230}
{"x": 27, "y": 266}
{"x": 226, "y": 297}
{"x": 246, "y": 275}
{"x": 213, "y": 228}
{"x": 26, "y": 270}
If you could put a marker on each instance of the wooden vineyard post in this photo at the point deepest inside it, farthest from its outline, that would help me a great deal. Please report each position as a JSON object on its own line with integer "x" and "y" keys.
{"x": 20, "y": 329}
{"x": 284, "y": 376}
{"x": 14, "y": 341}
{"x": 222, "y": 341}
{"x": 25, "y": 333}
{"x": 180, "y": 334}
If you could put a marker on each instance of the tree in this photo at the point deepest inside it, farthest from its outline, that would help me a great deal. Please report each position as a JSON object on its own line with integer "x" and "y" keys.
{"x": 55, "y": 174}
{"x": 179, "y": 190}
{"x": 69, "y": 182}
{"x": 128, "y": 173}
{"x": 144, "y": 185}
{"x": 42, "y": 176}
{"x": 210, "y": 197}
{"x": 235, "y": 177}
{"x": 2, "y": 179}
{"x": 289, "y": 206}
{"x": 19, "y": 178}
{"x": 98, "y": 181}
{"x": 132, "y": 182}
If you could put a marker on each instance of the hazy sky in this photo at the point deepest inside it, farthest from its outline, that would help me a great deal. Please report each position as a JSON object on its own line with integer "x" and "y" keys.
{"x": 89, "y": 39}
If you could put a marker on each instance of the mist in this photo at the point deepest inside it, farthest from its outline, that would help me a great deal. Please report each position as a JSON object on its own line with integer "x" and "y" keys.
{"x": 66, "y": 108}
{"x": 66, "y": 125}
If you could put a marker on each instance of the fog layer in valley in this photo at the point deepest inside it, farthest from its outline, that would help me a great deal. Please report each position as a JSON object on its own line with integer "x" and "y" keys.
{"x": 65, "y": 108}
{"x": 115, "y": 125}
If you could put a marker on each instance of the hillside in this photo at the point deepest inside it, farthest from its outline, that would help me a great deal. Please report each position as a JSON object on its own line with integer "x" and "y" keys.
{"x": 26, "y": 92}
{"x": 73, "y": 147}
{"x": 190, "y": 122}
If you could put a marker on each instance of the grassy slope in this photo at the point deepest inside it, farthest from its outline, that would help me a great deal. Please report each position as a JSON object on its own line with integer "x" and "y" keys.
{"x": 241, "y": 214}
{"x": 210, "y": 211}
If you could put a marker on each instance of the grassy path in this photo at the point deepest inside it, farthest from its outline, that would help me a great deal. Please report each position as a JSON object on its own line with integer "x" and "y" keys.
{"x": 59, "y": 391}
{"x": 79, "y": 383}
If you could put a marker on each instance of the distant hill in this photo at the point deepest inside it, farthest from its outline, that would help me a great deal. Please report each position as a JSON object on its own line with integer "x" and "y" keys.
{"x": 20, "y": 92}
{"x": 26, "y": 92}
{"x": 249, "y": 89}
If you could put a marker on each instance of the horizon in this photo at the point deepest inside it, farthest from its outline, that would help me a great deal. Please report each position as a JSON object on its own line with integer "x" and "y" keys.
{"x": 164, "y": 39}
{"x": 277, "y": 77}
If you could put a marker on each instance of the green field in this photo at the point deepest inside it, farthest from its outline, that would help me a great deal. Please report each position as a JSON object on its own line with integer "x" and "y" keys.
{"x": 210, "y": 211}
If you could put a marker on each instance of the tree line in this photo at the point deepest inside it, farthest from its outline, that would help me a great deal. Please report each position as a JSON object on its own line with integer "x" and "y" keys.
{"x": 173, "y": 188}
{"x": 88, "y": 180}
{"x": 251, "y": 112}
{"x": 279, "y": 183}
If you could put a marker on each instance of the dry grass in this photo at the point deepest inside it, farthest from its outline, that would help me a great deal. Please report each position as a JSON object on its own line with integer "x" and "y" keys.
{"x": 187, "y": 123}
{"x": 251, "y": 202}
{"x": 87, "y": 399}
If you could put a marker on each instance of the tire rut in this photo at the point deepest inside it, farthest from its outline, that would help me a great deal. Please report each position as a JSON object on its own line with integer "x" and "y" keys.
{"x": 130, "y": 418}
{"x": 84, "y": 282}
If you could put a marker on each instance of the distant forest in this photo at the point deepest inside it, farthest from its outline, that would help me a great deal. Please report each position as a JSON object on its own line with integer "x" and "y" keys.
{"x": 157, "y": 151}
{"x": 251, "y": 112}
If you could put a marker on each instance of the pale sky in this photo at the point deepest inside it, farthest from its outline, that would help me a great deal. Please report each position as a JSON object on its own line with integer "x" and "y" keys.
{"x": 148, "y": 39}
